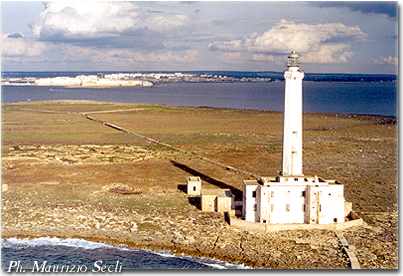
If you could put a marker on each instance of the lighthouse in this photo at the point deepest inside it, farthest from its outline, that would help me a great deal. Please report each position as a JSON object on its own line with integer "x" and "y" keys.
{"x": 292, "y": 197}
{"x": 292, "y": 132}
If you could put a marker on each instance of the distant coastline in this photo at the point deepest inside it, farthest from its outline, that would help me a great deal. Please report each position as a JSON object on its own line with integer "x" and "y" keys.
{"x": 207, "y": 76}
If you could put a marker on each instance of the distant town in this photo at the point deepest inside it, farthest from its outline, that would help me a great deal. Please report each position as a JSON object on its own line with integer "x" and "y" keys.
{"x": 149, "y": 79}
{"x": 124, "y": 79}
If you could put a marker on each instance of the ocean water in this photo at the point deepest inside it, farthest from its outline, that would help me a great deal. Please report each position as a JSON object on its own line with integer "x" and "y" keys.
{"x": 358, "y": 97}
{"x": 84, "y": 254}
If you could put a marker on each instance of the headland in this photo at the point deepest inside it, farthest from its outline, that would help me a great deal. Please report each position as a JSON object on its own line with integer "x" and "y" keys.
{"x": 67, "y": 176}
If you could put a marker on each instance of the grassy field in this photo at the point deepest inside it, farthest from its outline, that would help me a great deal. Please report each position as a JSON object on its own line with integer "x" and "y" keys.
{"x": 360, "y": 152}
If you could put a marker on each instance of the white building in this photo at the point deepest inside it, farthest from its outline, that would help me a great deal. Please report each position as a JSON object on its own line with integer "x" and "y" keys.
{"x": 194, "y": 185}
{"x": 292, "y": 197}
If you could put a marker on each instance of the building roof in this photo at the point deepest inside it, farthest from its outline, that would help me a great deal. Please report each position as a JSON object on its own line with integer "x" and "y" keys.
{"x": 194, "y": 178}
{"x": 216, "y": 192}
{"x": 250, "y": 182}
{"x": 291, "y": 180}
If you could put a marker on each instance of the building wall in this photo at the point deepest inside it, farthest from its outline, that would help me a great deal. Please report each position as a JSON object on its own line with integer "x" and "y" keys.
{"x": 331, "y": 204}
{"x": 312, "y": 203}
{"x": 194, "y": 187}
{"x": 208, "y": 203}
{"x": 224, "y": 204}
{"x": 249, "y": 202}
{"x": 282, "y": 203}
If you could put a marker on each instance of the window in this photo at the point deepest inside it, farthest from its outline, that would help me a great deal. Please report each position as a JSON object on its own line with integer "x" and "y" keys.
{"x": 254, "y": 194}
{"x": 330, "y": 194}
{"x": 296, "y": 179}
{"x": 264, "y": 221}
{"x": 287, "y": 207}
{"x": 335, "y": 220}
{"x": 194, "y": 188}
{"x": 303, "y": 193}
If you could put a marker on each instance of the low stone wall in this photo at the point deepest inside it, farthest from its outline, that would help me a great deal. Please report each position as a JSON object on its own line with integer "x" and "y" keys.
{"x": 263, "y": 227}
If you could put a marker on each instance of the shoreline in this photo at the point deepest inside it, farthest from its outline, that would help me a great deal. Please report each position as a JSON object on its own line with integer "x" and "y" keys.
{"x": 124, "y": 244}
{"x": 78, "y": 102}
{"x": 119, "y": 246}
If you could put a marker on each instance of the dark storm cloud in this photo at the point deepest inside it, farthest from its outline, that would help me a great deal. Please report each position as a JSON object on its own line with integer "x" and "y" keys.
{"x": 135, "y": 39}
{"x": 386, "y": 8}
{"x": 15, "y": 35}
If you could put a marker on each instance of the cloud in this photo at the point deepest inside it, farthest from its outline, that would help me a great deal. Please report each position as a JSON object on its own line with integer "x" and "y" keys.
{"x": 386, "y": 60}
{"x": 16, "y": 46}
{"x": 16, "y": 49}
{"x": 233, "y": 56}
{"x": 318, "y": 43}
{"x": 84, "y": 19}
{"x": 21, "y": 50}
{"x": 163, "y": 23}
{"x": 329, "y": 53}
{"x": 326, "y": 54}
{"x": 106, "y": 24}
{"x": 268, "y": 58}
{"x": 386, "y": 8}
{"x": 130, "y": 57}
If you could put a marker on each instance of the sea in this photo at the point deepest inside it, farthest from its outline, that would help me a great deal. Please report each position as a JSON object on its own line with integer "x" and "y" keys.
{"x": 322, "y": 93}
{"x": 49, "y": 254}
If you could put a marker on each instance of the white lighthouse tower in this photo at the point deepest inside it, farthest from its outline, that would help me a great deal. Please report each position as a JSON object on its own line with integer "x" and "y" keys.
{"x": 292, "y": 197}
{"x": 292, "y": 134}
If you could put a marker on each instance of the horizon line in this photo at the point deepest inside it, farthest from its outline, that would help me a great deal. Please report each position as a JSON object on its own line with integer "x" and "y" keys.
{"x": 153, "y": 71}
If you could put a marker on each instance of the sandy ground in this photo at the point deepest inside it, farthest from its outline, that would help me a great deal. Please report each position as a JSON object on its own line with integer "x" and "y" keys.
{"x": 71, "y": 177}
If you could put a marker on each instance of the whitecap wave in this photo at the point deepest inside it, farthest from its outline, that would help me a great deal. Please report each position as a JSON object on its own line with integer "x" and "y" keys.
{"x": 53, "y": 241}
{"x": 214, "y": 263}
{"x": 218, "y": 264}
{"x": 85, "y": 244}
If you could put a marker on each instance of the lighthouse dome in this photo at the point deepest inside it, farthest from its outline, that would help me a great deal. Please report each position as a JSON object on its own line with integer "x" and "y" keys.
{"x": 293, "y": 59}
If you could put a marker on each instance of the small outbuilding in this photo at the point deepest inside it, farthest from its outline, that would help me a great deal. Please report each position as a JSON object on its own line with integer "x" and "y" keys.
{"x": 217, "y": 200}
{"x": 224, "y": 204}
{"x": 194, "y": 185}
{"x": 208, "y": 203}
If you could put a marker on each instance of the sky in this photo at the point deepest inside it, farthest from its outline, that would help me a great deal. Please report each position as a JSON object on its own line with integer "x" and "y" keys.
{"x": 87, "y": 35}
